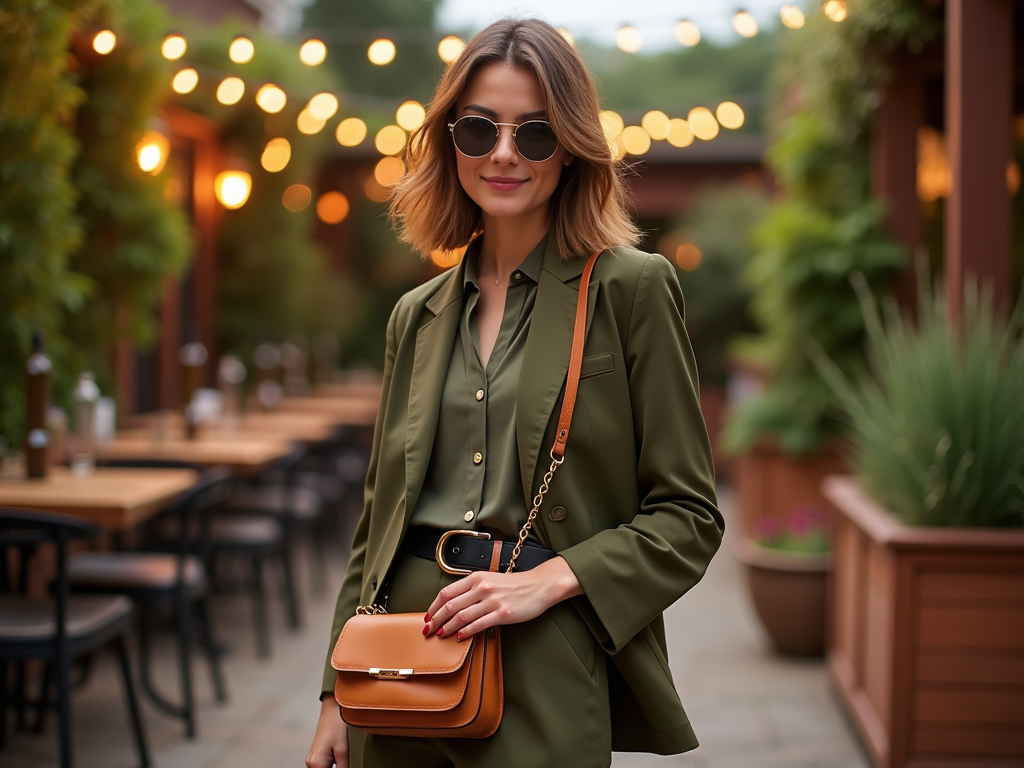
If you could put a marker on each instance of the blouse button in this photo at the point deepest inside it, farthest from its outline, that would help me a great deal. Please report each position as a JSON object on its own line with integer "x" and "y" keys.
{"x": 477, "y": 458}
{"x": 468, "y": 517}
{"x": 479, "y": 394}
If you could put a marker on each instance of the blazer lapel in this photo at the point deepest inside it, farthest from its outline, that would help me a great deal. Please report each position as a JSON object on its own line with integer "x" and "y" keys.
{"x": 546, "y": 357}
{"x": 434, "y": 342}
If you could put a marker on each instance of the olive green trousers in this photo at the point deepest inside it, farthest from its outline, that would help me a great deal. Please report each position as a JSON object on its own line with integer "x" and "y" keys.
{"x": 556, "y": 712}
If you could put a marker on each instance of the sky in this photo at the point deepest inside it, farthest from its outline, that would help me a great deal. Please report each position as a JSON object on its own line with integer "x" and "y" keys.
{"x": 600, "y": 19}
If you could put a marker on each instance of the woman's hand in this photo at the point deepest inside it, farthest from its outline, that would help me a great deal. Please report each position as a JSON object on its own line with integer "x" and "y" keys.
{"x": 330, "y": 743}
{"x": 485, "y": 599}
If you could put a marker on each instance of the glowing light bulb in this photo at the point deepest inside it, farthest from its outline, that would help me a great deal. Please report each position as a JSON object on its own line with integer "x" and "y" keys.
{"x": 308, "y": 123}
{"x": 104, "y": 42}
{"x": 687, "y": 33}
{"x": 836, "y": 10}
{"x": 390, "y": 140}
{"x": 271, "y": 99}
{"x": 332, "y": 207}
{"x": 241, "y": 50}
{"x": 730, "y": 114}
{"x": 450, "y": 48}
{"x": 232, "y": 188}
{"x": 297, "y": 197}
{"x": 381, "y": 52}
{"x": 276, "y": 155}
{"x": 323, "y": 106}
{"x": 389, "y": 171}
{"x": 688, "y": 257}
{"x": 350, "y": 132}
{"x": 679, "y": 133}
{"x": 174, "y": 47}
{"x": 702, "y": 123}
{"x": 744, "y": 24}
{"x": 230, "y": 90}
{"x": 656, "y": 124}
{"x": 635, "y": 140}
{"x": 410, "y": 115}
{"x": 792, "y": 16}
{"x": 151, "y": 152}
{"x": 629, "y": 39}
{"x": 185, "y": 80}
{"x": 312, "y": 52}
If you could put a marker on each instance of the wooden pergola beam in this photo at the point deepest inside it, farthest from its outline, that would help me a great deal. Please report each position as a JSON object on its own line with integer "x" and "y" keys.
{"x": 979, "y": 107}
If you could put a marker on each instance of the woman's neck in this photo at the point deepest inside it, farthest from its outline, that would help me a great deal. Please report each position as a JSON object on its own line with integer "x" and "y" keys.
{"x": 506, "y": 244}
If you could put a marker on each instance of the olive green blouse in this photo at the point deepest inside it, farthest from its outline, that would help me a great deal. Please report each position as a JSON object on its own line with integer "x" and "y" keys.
{"x": 473, "y": 479}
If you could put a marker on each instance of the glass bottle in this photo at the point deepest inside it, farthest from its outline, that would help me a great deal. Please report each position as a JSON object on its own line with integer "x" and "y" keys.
{"x": 192, "y": 357}
{"x": 38, "y": 369}
{"x": 83, "y": 454}
{"x": 230, "y": 375}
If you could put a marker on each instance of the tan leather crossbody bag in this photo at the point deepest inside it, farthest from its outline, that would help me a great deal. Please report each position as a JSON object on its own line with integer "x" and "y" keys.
{"x": 393, "y": 681}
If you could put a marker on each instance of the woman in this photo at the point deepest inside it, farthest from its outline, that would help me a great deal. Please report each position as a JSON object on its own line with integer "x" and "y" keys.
{"x": 476, "y": 359}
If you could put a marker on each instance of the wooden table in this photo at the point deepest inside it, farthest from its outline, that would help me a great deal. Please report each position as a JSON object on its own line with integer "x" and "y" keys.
{"x": 242, "y": 453}
{"x": 367, "y": 390}
{"x": 345, "y": 411}
{"x": 117, "y": 499}
{"x": 308, "y": 427}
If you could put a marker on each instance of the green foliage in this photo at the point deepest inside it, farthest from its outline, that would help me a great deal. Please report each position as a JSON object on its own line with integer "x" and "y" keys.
{"x": 826, "y": 225}
{"x": 134, "y": 236}
{"x": 938, "y": 423}
{"x": 717, "y": 297}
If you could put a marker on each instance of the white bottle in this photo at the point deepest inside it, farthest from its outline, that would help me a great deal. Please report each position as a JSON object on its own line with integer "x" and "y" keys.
{"x": 83, "y": 453}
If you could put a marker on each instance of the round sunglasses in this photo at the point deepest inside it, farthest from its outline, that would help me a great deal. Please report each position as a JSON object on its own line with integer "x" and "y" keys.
{"x": 476, "y": 136}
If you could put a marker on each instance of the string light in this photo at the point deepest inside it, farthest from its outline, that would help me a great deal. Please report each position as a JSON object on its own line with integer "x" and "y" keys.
{"x": 174, "y": 47}
{"x": 389, "y": 171}
{"x": 449, "y": 49}
{"x": 702, "y": 123}
{"x": 185, "y": 81}
{"x": 151, "y": 152}
{"x": 232, "y": 188}
{"x": 104, "y": 42}
{"x": 792, "y": 16}
{"x": 350, "y": 132}
{"x": 313, "y": 52}
{"x": 230, "y": 90}
{"x": 836, "y": 10}
{"x": 323, "y": 106}
{"x": 679, "y": 133}
{"x": 241, "y": 50}
{"x": 744, "y": 24}
{"x": 375, "y": 191}
{"x": 730, "y": 114}
{"x": 332, "y": 207}
{"x": 297, "y": 197}
{"x": 613, "y": 125}
{"x": 410, "y": 115}
{"x": 276, "y": 155}
{"x": 381, "y": 52}
{"x": 390, "y": 140}
{"x": 271, "y": 99}
{"x": 656, "y": 124}
{"x": 308, "y": 123}
{"x": 635, "y": 140}
{"x": 687, "y": 33}
{"x": 629, "y": 39}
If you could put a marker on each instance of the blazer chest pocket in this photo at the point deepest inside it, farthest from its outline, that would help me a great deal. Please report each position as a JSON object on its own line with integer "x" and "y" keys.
{"x": 595, "y": 365}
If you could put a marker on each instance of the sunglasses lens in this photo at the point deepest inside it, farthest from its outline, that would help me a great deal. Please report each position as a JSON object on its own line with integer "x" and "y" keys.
{"x": 536, "y": 141}
{"x": 475, "y": 136}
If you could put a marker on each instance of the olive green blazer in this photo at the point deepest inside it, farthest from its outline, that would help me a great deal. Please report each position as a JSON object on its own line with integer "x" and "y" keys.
{"x": 638, "y": 519}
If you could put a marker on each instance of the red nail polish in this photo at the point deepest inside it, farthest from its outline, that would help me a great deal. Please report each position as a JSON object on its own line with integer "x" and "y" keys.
{"x": 440, "y": 632}
{"x": 426, "y": 631}
{"x": 459, "y": 636}
{"x": 426, "y": 618}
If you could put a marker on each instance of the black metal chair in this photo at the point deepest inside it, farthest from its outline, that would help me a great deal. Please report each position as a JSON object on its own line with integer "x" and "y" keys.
{"x": 177, "y": 578}
{"x": 62, "y": 627}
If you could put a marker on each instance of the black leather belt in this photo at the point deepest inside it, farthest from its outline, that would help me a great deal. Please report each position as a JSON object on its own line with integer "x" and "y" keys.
{"x": 465, "y": 551}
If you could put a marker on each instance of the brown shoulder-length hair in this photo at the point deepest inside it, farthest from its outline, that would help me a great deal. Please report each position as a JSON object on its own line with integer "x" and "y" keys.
{"x": 429, "y": 208}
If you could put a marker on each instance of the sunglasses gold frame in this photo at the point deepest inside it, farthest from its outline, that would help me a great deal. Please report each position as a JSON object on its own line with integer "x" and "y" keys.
{"x": 497, "y": 135}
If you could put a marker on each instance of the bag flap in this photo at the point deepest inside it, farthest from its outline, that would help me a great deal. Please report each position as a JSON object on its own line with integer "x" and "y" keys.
{"x": 396, "y": 642}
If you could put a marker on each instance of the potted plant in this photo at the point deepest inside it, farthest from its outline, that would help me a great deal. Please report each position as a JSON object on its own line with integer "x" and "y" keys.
{"x": 787, "y": 570}
{"x": 927, "y": 640}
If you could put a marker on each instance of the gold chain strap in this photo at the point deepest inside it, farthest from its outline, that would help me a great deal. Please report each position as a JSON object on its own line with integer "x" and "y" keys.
{"x": 537, "y": 501}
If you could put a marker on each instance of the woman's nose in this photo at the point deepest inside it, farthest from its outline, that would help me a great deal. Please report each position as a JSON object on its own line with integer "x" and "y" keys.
{"x": 505, "y": 150}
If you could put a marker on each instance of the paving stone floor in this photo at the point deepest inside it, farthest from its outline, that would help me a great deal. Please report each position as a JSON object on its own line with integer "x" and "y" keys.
{"x": 749, "y": 708}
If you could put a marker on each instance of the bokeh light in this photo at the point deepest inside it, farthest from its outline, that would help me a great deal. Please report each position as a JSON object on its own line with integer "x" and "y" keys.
{"x": 390, "y": 140}
{"x": 635, "y": 140}
{"x": 836, "y": 10}
{"x": 730, "y": 114}
{"x": 744, "y": 24}
{"x": 174, "y": 47}
{"x": 185, "y": 80}
{"x": 375, "y": 190}
{"x": 629, "y": 39}
{"x": 151, "y": 152}
{"x": 276, "y": 155}
{"x": 688, "y": 256}
{"x": 687, "y": 33}
{"x": 271, "y": 98}
{"x": 448, "y": 259}
{"x": 104, "y": 42}
{"x": 297, "y": 197}
{"x": 381, "y": 52}
{"x": 389, "y": 171}
{"x": 679, "y": 133}
{"x": 232, "y": 188}
{"x": 312, "y": 52}
{"x": 332, "y": 207}
{"x": 350, "y": 132}
{"x": 309, "y": 123}
{"x": 230, "y": 90}
{"x": 792, "y": 16}
{"x": 449, "y": 48}
{"x": 702, "y": 123}
{"x": 241, "y": 50}
{"x": 323, "y": 106}
{"x": 410, "y": 115}
{"x": 656, "y": 124}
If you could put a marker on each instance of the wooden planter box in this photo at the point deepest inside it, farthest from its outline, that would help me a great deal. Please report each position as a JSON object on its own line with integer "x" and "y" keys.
{"x": 927, "y": 637}
{"x": 770, "y": 483}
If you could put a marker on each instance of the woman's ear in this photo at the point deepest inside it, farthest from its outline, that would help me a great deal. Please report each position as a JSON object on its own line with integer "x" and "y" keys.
{"x": 568, "y": 159}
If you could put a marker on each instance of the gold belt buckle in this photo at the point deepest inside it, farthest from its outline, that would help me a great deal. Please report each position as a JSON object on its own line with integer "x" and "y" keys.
{"x": 439, "y": 552}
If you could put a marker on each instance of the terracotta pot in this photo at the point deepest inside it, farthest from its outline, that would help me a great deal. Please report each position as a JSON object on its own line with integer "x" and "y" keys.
{"x": 927, "y": 638}
{"x": 789, "y": 592}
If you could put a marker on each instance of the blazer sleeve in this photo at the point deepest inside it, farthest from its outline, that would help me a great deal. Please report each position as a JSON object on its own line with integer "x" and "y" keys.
{"x": 351, "y": 587}
{"x": 632, "y": 573}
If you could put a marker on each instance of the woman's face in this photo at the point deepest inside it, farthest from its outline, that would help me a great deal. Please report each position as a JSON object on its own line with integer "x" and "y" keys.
{"x": 504, "y": 183}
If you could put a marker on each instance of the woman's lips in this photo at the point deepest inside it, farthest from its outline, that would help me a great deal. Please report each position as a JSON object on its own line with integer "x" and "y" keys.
{"x": 504, "y": 183}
